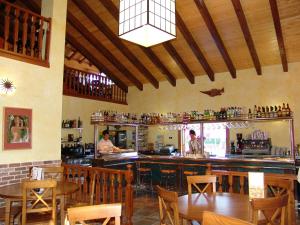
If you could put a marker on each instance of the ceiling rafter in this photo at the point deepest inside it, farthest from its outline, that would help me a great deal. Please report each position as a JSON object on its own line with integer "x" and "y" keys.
{"x": 113, "y": 10}
{"x": 277, "y": 25}
{"x": 194, "y": 46}
{"x": 102, "y": 49}
{"x": 118, "y": 43}
{"x": 86, "y": 9}
{"x": 81, "y": 48}
{"x": 72, "y": 55}
{"x": 247, "y": 35}
{"x": 81, "y": 60}
{"x": 216, "y": 36}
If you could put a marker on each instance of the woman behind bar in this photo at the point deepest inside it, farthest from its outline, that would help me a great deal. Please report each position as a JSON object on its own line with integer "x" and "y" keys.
{"x": 195, "y": 146}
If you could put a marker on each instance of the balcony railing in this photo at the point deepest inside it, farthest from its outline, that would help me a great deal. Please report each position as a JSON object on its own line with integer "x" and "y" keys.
{"x": 24, "y": 35}
{"x": 81, "y": 84}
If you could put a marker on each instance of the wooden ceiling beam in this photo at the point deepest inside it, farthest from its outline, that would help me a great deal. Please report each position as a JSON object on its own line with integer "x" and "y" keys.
{"x": 86, "y": 53}
{"x": 116, "y": 41}
{"x": 113, "y": 10}
{"x": 174, "y": 54}
{"x": 101, "y": 48}
{"x": 247, "y": 35}
{"x": 147, "y": 51}
{"x": 81, "y": 60}
{"x": 277, "y": 25}
{"x": 216, "y": 36}
{"x": 194, "y": 46}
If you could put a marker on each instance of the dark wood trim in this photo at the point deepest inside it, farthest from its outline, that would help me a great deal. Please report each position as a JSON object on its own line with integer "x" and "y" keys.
{"x": 216, "y": 36}
{"x": 24, "y": 58}
{"x": 72, "y": 55}
{"x": 102, "y": 49}
{"x": 86, "y": 9}
{"x": 277, "y": 25}
{"x": 81, "y": 48}
{"x": 247, "y": 35}
{"x": 194, "y": 46}
{"x": 175, "y": 55}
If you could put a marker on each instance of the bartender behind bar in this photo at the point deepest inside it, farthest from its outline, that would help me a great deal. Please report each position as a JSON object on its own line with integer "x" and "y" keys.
{"x": 195, "y": 146}
{"x": 105, "y": 145}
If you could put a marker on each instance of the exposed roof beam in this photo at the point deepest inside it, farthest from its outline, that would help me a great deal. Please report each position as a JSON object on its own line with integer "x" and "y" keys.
{"x": 172, "y": 52}
{"x": 113, "y": 10}
{"x": 277, "y": 25}
{"x": 101, "y": 48}
{"x": 247, "y": 35}
{"x": 216, "y": 36}
{"x": 72, "y": 55}
{"x": 194, "y": 46}
{"x": 85, "y": 52}
{"x": 115, "y": 40}
{"x": 81, "y": 60}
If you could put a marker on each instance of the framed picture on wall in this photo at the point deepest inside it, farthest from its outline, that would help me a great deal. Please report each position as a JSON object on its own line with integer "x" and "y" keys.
{"x": 17, "y": 128}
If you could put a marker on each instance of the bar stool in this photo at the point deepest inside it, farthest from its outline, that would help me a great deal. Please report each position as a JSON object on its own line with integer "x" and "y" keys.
{"x": 167, "y": 175}
{"x": 144, "y": 174}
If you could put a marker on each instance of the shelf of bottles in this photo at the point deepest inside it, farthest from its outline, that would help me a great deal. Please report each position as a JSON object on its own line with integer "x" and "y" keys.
{"x": 70, "y": 125}
{"x": 225, "y": 114}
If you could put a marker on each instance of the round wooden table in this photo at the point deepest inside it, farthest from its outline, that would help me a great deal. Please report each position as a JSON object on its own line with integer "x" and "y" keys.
{"x": 227, "y": 204}
{"x": 14, "y": 193}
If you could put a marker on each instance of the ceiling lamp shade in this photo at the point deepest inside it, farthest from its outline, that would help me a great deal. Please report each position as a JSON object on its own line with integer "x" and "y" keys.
{"x": 147, "y": 22}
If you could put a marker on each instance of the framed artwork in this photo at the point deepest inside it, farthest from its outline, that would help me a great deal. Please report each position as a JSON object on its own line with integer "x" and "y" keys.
{"x": 17, "y": 128}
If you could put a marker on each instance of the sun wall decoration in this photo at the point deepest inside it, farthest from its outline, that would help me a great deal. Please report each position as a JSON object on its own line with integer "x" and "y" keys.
{"x": 7, "y": 86}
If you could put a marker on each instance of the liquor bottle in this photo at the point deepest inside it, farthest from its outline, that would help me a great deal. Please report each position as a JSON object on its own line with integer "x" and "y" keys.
{"x": 79, "y": 123}
{"x": 284, "y": 111}
{"x": 279, "y": 112}
{"x": 288, "y": 110}
{"x": 63, "y": 124}
{"x": 275, "y": 111}
{"x": 267, "y": 111}
{"x": 255, "y": 111}
{"x": 249, "y": 114}
{"x": 271, "y": 111}
{"x": 258, "y": 114}
{"x": 263, "y": 112}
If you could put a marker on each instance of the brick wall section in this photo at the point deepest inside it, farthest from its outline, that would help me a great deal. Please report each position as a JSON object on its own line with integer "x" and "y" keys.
{"x": 16, "y": 172}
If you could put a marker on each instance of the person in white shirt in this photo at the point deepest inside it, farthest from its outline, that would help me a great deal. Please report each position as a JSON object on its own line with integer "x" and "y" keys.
{"x": 105, "y": 145}
{"x": 195, "y": 146}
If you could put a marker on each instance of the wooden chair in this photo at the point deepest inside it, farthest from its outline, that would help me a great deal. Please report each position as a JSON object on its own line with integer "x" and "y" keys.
{"x": 14, "y": 212}
{"x": 168, "y": 206}
{"x": 273, "y": 209}
{"x": 54, "y": 172}
{"x": 209, "y": 180}
{"x": 93, "y": 212}
{"x": 210, "y": 218}
{"x": 35, "y": 207}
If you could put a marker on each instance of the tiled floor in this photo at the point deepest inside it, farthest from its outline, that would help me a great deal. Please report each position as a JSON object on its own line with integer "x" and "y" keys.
{"x": 146, "y": 210}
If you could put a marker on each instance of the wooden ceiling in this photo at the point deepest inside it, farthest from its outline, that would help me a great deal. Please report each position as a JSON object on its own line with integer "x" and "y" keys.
{"x": 212, "y": 37}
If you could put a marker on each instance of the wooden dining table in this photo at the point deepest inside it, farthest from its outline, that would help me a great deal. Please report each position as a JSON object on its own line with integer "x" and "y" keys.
{"x": 13, "y": 193}
{"x": 227, "y": 204}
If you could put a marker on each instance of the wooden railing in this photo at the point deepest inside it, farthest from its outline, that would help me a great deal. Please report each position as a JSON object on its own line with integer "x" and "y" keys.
{"x": 111, "y": 186}
{"x": 24, "y": 35}
{"x": 81, "y": 84}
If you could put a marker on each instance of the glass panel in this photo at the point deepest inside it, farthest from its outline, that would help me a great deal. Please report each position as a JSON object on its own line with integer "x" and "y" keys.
{"x": 215, "y": 139}
{"x": 151, "y": 18}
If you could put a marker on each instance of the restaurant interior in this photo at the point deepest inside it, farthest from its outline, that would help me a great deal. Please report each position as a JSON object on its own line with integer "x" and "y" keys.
{"x": 150, "y": 112}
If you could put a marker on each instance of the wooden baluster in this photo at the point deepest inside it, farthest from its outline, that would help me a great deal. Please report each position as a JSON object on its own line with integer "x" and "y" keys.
{"x": 98, "y": 186}
{"x": 32, "y": 35}
{"x": 104, "y": 191}
{"x": 128, "y": 195}
{"x": 24, "y": 32}
{"x": 40, "y": 39}
{"x": 220, "y": 179}
{"x": 119, "y": 178}
{"x": 48, "y": 34}
{"x": 66, "y": 171}
{"x": 242, "y": 184}
{"x": 85, "y": 184}
{"x": 16, "y": 29}
{"x": 117, "y": 94}
{"x": 113, "y": 92}
{"x": 88, "y": 84}
{"x": 230, "y": 183}
{"x": 112, "y": 188}
{"x": 6, "y": 26}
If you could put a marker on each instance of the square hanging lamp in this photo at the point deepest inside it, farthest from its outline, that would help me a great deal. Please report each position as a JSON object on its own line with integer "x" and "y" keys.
{"x": 147, "y": 22}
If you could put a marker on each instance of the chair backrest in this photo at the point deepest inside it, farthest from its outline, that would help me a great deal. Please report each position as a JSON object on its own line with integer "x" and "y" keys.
{"x": 276, "y": 186}
{"x": 35, "y": 193}
{"x": 104, "y": 211}
{"x": 54, "y": 172}
{"x": 210, "y": 218}
{"x": 168, "y": 206}
{"x": 273, "y": 209}
{"x": 209, "y": 180}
